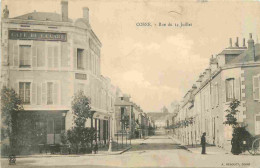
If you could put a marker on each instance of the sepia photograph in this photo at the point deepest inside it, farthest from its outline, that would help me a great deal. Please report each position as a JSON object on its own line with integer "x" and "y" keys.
{"x": 130, "y": 83}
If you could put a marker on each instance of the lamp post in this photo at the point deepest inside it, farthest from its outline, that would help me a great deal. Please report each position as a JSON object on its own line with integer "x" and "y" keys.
{"x": 111, "y": 132}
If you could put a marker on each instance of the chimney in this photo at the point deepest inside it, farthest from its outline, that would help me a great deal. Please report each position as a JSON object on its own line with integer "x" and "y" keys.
{"x": 250, "y": 42}
{"x": 237, "y": 43}
{"x": 230, "y": 42}
{"x": 86, "y": 14}
{"x": 213, "y": 64}
{"x": 64, "y": 10}
{"x": 244, "y": 42}
{"x": 251, "y": 48}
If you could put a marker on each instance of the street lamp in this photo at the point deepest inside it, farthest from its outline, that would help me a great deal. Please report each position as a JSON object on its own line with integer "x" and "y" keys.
{"x": 111, "y": 132}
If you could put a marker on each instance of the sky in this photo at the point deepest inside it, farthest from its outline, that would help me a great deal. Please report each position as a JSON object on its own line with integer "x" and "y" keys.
{"x": 157, "y": 65}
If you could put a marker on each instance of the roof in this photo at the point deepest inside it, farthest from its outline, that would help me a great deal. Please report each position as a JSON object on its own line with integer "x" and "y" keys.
{"x": 43, "y": 16}
{"x": 235, "y": 51}
{"x": 244, "y": 56}
{"x": 122, "y": 103}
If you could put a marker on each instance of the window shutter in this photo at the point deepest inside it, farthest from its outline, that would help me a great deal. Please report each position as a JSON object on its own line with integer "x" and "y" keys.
{"x": 39, "y": 94}
{"x": 75, "y": 58}
{"x": 56, "y": 57}
{"x": 237, "y": 87}
{"x": 16, "y": 87}
{"x": 34, "y": 95}
{"x": 16, "y": 57}
{"x": 50, "y": 57}
{"x": 34, "y": 56}
{"x": 44, "y": 93}
{"x": 40, "y": 56}
{"x": 256, "y": 87}
{"x": 11, "y": 54}
{"x": 55, "y": 93}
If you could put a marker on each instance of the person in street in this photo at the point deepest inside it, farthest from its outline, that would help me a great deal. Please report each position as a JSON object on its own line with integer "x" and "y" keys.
{"x": 96, "y": 148}
{"x": 235, "y": 150}
{"x": 203, "y": 143}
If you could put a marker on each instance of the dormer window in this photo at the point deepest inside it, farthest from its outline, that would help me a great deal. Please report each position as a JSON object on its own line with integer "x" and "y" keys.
{"x": 30, "y": 17}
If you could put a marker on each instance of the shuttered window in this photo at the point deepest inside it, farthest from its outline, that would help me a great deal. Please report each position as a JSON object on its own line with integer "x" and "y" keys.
{"x": 230, "y": 89}
{"x": 50, "y": 93}
{"x": 257, "y": 125}
{"x": 25, "y": 92}
{"x": 25, "y": 56}
{"x": 256, "y": 85}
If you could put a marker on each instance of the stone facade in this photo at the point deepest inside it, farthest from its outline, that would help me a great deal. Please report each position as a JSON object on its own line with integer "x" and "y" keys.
{"x": 232, "y": 74}
{"x": 47, "y": 58}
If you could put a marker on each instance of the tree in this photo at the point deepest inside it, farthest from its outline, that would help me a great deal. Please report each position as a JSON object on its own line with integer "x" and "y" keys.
{"x": 240, "y": 133}
{"x": 231, "y": 113}
{"x": 10, "y": 105}
{"x": 79, "y": 136}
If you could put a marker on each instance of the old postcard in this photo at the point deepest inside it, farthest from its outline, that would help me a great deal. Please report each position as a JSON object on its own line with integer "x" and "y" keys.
{"x": 122, "y": 83}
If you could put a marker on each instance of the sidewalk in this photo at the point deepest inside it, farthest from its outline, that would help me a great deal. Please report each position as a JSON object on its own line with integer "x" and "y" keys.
{"x": 210, "y": 149}
{"x": 101, "y": 152}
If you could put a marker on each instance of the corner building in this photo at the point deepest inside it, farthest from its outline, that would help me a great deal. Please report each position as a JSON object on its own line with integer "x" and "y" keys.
{"x": 47, "y": 58}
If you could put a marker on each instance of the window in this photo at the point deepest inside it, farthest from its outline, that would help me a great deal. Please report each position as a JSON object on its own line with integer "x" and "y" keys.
{"x": 216, "y": 92}
{"x": 24, "y": 92}
{"x": 80, "y": 59}
{"x": 230, "y": 89}
{"x": 49, "y": 92}
{"x": 257, "y": 125}
{"x": 256, "y": 87}
{"x": 25, "y": 56}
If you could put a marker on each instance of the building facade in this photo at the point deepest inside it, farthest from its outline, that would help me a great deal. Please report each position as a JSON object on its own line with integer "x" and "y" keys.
{"x": 47, "y": 58}
{"x": 232, "y": 74}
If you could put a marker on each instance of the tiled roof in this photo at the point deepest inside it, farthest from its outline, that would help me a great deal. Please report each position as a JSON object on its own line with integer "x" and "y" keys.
{"x": 42, "y": 16}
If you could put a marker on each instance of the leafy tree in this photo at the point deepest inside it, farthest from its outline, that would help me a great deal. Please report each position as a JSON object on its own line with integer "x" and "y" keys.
{"x": 10, "y": 105}
{"x": 231, "y": 113}
{"x": 240, "y": 133}
{"x": 79, "y": 136}
{"x": 81, "y": 109}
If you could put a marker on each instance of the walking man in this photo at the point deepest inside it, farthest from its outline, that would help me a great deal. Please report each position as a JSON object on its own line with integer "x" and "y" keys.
{"x": 203, "y": 143}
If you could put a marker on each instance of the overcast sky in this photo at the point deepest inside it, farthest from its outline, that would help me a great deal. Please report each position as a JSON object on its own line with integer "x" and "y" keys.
{"x": 157, "y": 65}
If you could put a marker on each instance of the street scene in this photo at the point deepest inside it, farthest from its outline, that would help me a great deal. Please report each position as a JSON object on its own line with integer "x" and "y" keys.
{"x": 130, "y": 84}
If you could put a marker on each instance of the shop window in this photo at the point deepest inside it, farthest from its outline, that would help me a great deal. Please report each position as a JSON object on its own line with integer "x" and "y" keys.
{"x": 25, "y": 92}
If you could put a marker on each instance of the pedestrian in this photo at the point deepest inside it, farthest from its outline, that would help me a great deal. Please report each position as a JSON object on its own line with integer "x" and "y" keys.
{"x": 235, "y": 150}
{"x": 203, "y": 143}
{"x": 96, "y": 148}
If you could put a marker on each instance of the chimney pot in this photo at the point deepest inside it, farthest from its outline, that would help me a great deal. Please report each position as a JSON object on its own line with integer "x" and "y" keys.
{"x": 230, "y": 42}
{"x": 237, "y": 43}
{"x": 64, "y": 10}
{"x": 244, "y": 42}
{"x": 86, "y": 13}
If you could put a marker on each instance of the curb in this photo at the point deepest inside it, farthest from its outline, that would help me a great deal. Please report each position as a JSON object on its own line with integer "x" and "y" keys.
{"x": 76, "y": 155}
{"x": 184, "y": 147}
